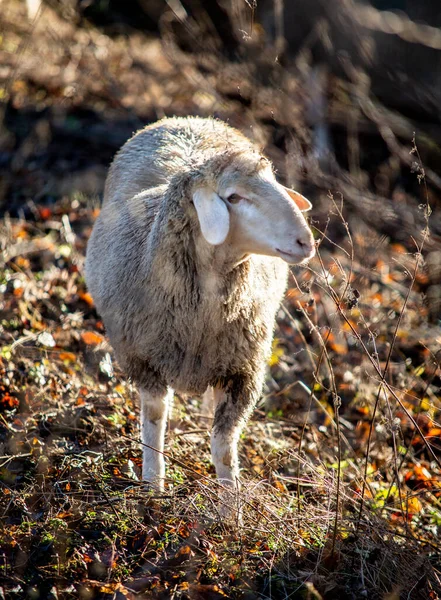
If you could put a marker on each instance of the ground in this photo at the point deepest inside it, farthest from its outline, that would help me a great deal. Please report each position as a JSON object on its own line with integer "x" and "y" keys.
{"x": 341, "y": 492}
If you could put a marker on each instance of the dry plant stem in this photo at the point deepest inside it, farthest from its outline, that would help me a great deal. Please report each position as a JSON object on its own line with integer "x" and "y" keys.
{"x": 383, "y": 220}
{"x": 428, "y": 384}
{"x": 378, "y": 278}
{"x": 300, "y": 332}
{"x": 219, "y": 485}
{"x": 375, "y": 114}
{"x": 386, "y": 367}
{"x": 371, "y": 359}
{"x": 351, "y": 245}
{"x": 343, "y": 437}
{"x": 377, "y": 400}
{"x": 317, "y": 333}
{"x": 12, "y": 457}
{"x": 112, "y": 508}
{"x": 337, "y": 404}
{"x": 328, "y": 239}
{"x": 334, "y": 423}
{"x": 337, "y": 420}
{"x": 396, "y": 472}
{"x": 311, "y": 394}
{"x": 383, "y": 384}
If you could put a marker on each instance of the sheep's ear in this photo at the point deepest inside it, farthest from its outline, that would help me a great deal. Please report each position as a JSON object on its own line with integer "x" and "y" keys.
{"x": 303, "y": 203}
{"x": 213, "y": 216}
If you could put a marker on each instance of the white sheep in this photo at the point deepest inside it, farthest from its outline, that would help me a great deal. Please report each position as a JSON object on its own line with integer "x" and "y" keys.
{"x": 187, "y": 264}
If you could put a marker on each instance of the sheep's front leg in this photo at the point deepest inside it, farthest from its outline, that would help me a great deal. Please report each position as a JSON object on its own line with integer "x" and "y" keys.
{"x": 224, "y": 440}
{"x": 154, "y": 411}
{"x": 235, "y": 402}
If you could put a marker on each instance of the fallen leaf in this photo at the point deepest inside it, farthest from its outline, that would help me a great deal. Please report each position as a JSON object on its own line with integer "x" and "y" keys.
{"x": 46, "y": 339}
{"x": 86, "y": 297}
{"x": 434, "y": 432}
{"x": 91, "y": 338}
{"x": 67, "y": 357}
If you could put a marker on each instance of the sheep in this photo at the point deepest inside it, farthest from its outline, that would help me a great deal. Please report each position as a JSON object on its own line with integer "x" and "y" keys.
{"x": 187, "y": 264}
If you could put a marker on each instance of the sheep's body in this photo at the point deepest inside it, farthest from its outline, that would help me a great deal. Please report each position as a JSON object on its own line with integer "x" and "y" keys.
{"x": 180, "y": 313}
{"x": 169, "y": 318}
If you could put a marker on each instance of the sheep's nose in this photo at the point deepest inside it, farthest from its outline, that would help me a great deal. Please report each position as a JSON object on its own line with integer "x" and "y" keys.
{"x": 306, "y": 243}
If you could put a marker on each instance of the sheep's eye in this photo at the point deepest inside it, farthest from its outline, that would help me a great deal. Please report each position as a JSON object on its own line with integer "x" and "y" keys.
{"x": 234, "y": 198}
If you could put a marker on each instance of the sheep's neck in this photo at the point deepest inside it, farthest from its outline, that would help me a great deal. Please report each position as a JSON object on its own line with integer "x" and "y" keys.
{"x": 217, "y": 259}
{"x": 217, "y": 267}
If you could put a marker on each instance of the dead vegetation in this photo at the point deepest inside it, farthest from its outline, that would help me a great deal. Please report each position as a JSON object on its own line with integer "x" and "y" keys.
{"x": 342, "y": 491}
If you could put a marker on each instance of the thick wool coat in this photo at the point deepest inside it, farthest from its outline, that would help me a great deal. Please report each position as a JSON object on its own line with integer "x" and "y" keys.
{"x": 173, "y": 315}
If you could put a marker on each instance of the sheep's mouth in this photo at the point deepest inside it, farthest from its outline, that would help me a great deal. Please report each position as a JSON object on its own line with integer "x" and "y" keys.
{"x": 289, "y": 257}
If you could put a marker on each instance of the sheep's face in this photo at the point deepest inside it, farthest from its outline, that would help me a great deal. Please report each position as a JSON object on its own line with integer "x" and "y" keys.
{"x": 254, "y": 214}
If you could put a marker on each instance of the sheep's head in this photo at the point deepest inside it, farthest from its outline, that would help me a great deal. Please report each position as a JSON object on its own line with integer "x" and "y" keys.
{"x": 243, "y": 205}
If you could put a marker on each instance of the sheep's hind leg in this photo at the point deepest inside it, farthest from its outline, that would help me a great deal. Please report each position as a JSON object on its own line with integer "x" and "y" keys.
{"x": 154, "y": 412}
{"x": 235, "y": 402}
{"x": 208, "y": 403}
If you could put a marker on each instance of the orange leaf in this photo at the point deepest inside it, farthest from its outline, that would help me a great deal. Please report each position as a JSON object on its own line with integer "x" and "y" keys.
{"x": 86, "y": 297}
{"x": 91, "y": 338}
{"x": 398, "y": 248}
{"x": 418, "y": 473}
{"x": 22, "y": 234}
{"x": 45, "y": 213}
{"x": 422, "y": 278}
{"x": 22, "y": 262}
{"x": 184, "y": 551}
{"x": 434, "y": 432}
{"x": 347, "y": 326}
{"x": 9, "y": 401}
{"x": 338, "y": 348}
{"x": 414, "y": 506}
{"x": 67, "y": 356}
{"x": 279, "y": 485}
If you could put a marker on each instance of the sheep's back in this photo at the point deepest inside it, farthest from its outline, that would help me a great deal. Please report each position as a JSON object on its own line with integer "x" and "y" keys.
{"x": 171, "y": 146}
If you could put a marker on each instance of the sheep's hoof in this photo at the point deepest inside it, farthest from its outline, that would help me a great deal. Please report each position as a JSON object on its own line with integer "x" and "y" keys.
{"x": 230, "y": 503}
{"x": 153, "y": 487}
